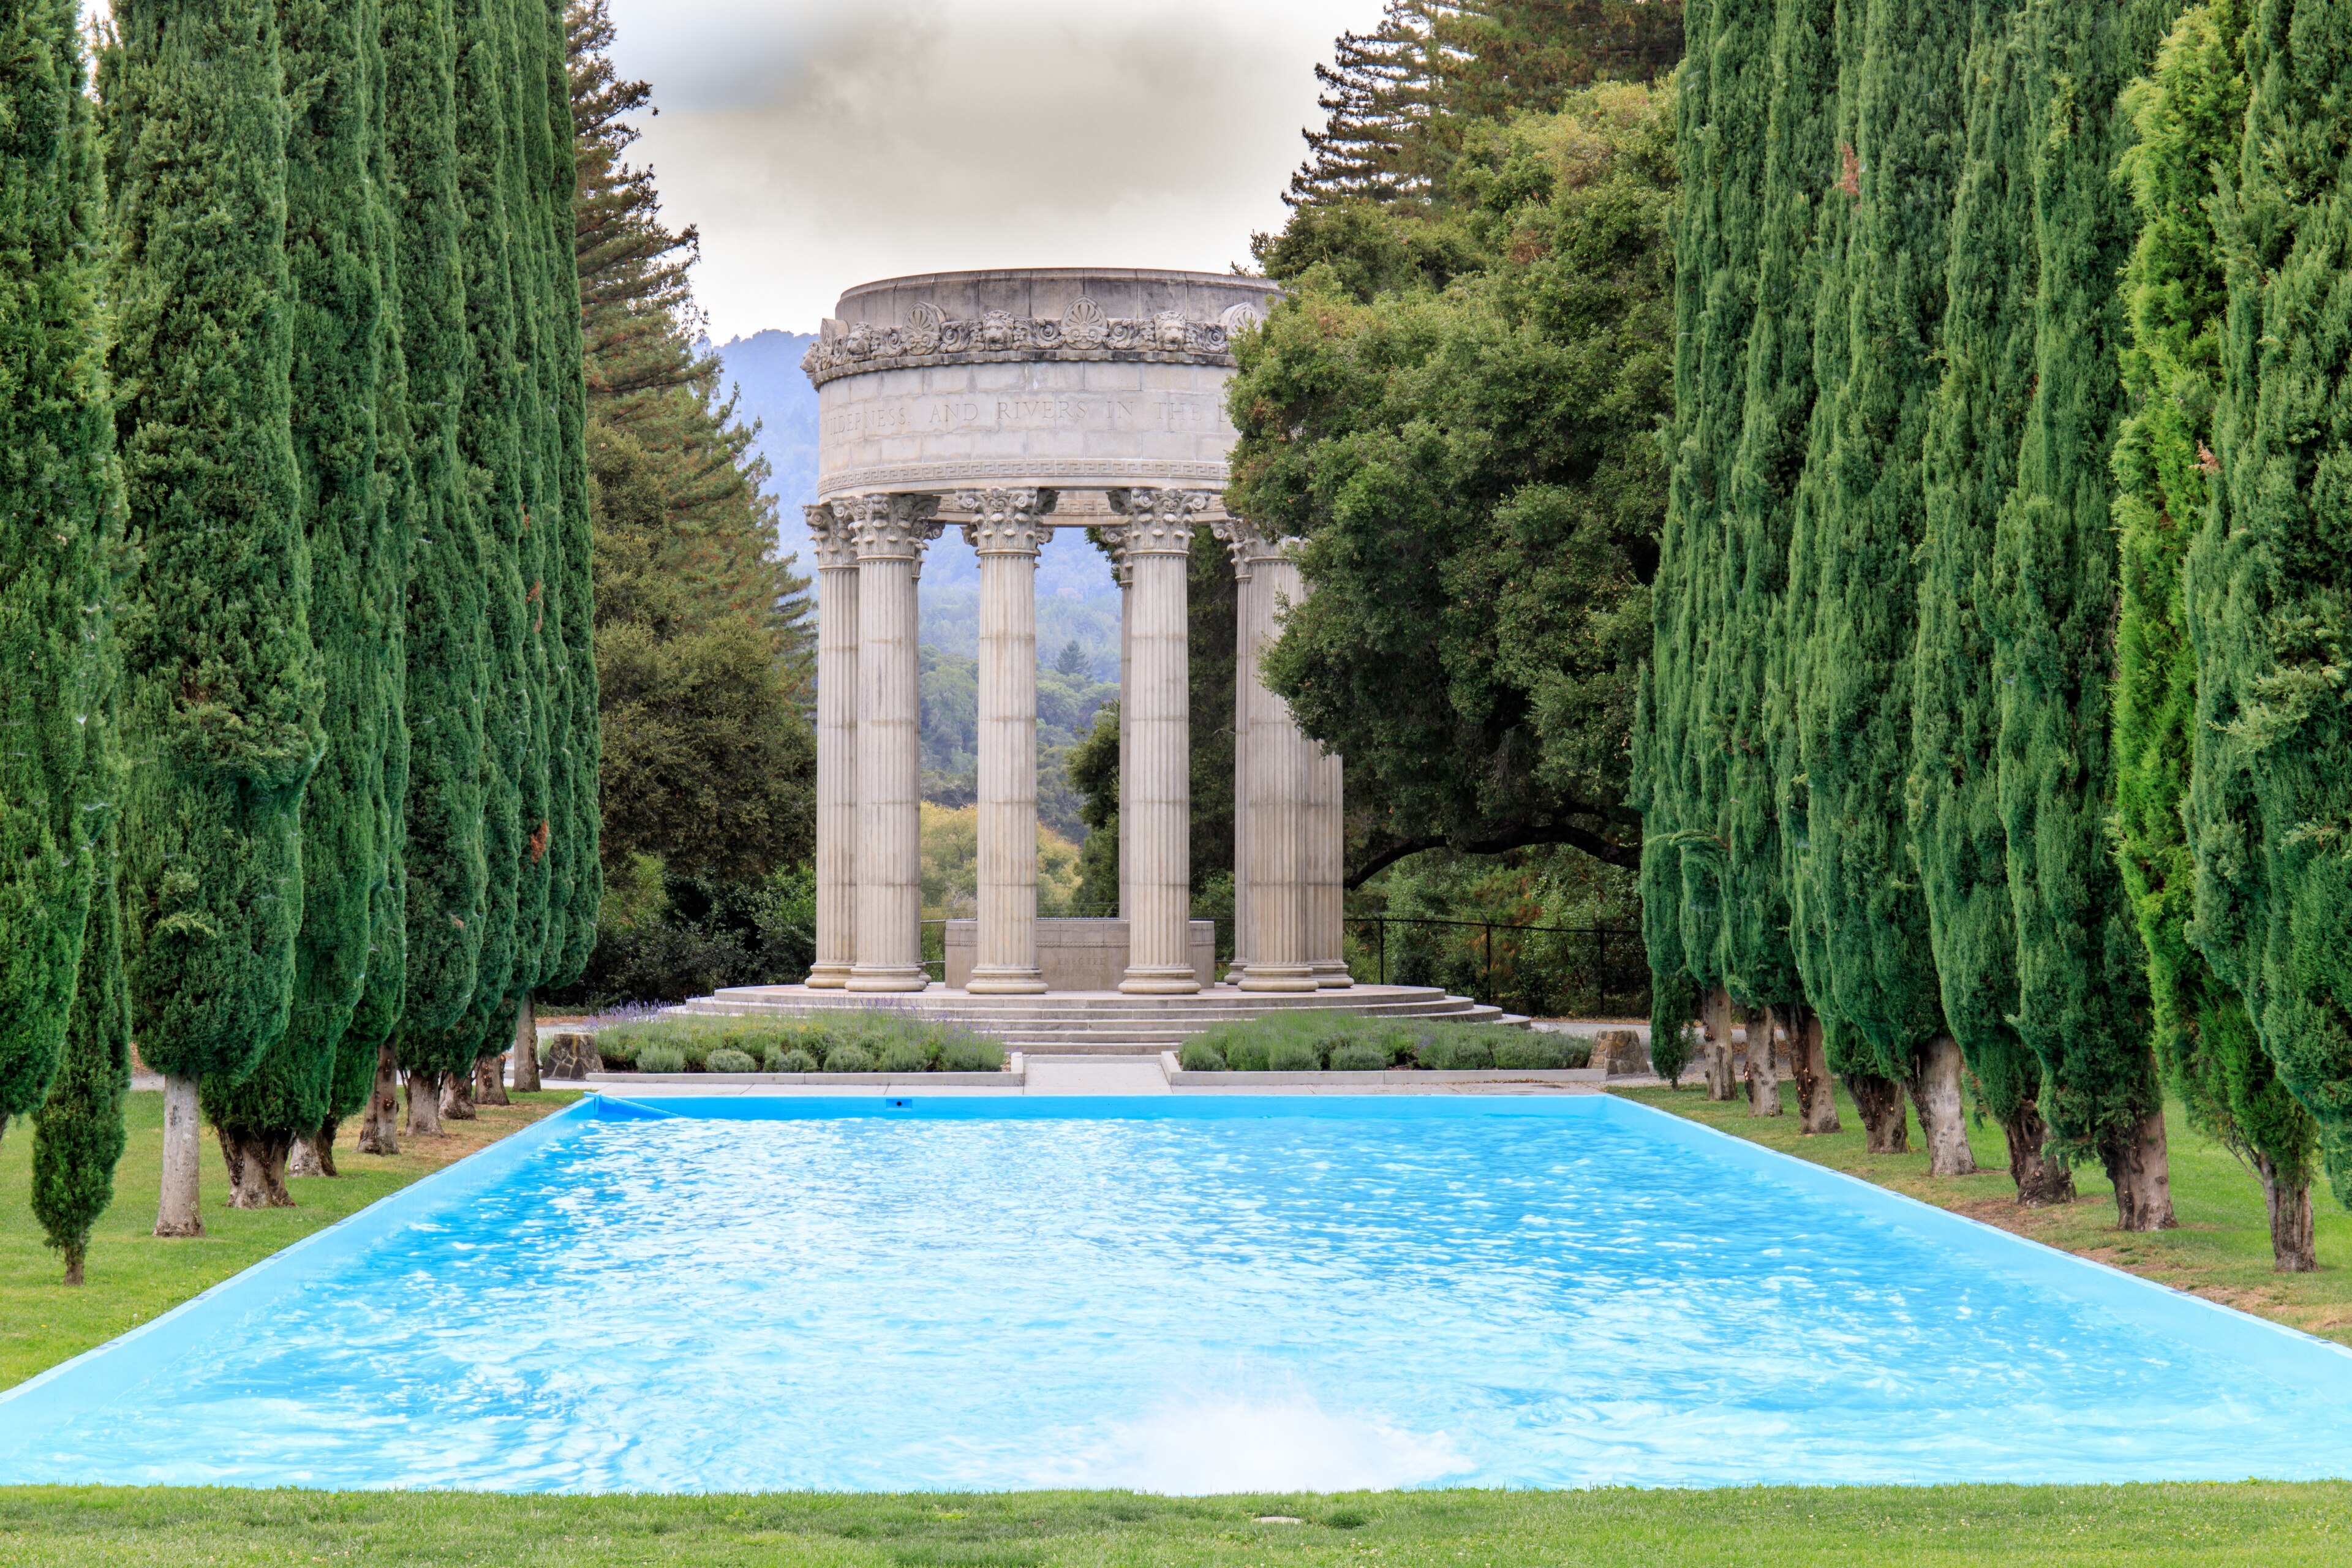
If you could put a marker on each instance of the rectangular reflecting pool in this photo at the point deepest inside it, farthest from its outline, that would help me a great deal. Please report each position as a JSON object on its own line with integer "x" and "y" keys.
{"x": 1178, "y": 1295}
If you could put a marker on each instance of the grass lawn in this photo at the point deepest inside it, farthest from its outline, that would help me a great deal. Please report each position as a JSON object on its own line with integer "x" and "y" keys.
{"x": 2222, "y": 1250}
{"x": 2018, "y": 1527}
{"x": 133, "y": 1276}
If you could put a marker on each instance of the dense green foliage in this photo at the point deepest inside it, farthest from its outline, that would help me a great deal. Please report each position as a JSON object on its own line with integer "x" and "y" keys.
{"x": 839, "y": 1042}
{"x": 1860, "y": 517}
{"x": 337, "y": 255}
{"x": 442, "y": 853}
{"x": 1401, "y": 99}
{"x": 1970, "y": 467}
{"x": 2189, "y": 114}
{"x": 59, "y": 492}
{"x": 1723, "y": 99}
{"x": 1474, "y": 471}
{"x": 221, "y": 680}
{"x": 78, "y": 1133}
{"x": 2081, "y": 972}
{"x": 2270, "y": 577}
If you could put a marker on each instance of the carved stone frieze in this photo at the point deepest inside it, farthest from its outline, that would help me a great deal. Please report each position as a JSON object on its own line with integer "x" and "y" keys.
{"x": 1008, "y": 523}
{"x": 1159, "y": 522}
{"x": 886, "y": 525}
{"x": 1082, "y": 332}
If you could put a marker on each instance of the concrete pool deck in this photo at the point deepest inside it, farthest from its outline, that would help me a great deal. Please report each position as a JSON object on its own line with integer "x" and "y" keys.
{"x": 1088, "y": 1075}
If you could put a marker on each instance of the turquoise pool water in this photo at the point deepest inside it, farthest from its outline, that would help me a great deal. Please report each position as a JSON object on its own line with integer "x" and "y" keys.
{"x": 1185, "y": 1296}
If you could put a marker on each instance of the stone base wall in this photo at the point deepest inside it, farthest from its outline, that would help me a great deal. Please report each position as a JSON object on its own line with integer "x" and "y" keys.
{"x": 1077, "y": 954}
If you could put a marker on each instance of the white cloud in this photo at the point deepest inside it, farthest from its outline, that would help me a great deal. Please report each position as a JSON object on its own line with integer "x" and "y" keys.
{"x": 819, "y": 146}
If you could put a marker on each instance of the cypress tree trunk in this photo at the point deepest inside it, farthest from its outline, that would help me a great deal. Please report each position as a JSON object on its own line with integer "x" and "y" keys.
{"x": 525, "y": 1051}
{"x": 2188, "y": 114}
{"x": 57, "y": 493}
{"x": 2270, "y": 579}
{"x": 442, "y": 858}
{"x": 221, "y": 720}
{"x": 2082, "y": 975}
{"x": 1861, "y": 921}
{"x": 1799, "y": 151}
{"x": 380, "y": 1133}
{"x": 490, "y": 1080}
{"x": 335, "y": 262}
{"x": 1763, "y": 1073}
{"x": 1971, "y": 467}
{"x": 425, "y": 1092}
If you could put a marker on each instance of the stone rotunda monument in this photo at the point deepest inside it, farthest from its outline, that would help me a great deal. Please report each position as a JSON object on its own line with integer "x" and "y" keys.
{"x": 1006, "y": 404}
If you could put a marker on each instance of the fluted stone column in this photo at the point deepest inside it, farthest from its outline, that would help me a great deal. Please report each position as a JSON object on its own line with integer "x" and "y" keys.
{"x": 1007, "y": 528}
{"x": 1156, "y": 787}
{"x": 837, "y": 746}
{"x": 1241, "y": 541}
{"x": 1326, "y": 838}
{"x": 890, "y": 531}
{"x": 1126, "y": 712}
{"x": 1275, "y": 792}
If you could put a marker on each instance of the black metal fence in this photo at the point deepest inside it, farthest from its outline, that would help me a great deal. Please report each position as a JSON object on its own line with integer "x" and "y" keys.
{"x": 1586, "y": 971}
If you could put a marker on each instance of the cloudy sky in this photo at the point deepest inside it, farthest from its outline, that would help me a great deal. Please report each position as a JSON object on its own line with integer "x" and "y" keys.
{"x": 821, "y": 143}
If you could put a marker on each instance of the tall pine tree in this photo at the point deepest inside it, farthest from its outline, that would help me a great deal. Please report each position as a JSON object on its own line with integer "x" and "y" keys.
{"x": 447, "y": 663}
{"x": 336, "y": 259}
{"x": 2270, "y": 578}
{"x": 1872, "y": 971}
{"x": 221, "y": 720}
{"x": 1971, "y": 467}
{"x": 2189, "y": 114}
{"x": 2082, "y": 972}
{"x": 57, "y": 488}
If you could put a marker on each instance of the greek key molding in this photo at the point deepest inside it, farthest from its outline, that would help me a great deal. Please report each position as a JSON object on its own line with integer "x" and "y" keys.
{"x": 836, "y": 546}
{"x": 1081, "y": 333}
{"x": 890, "y": 526}
{"x": 1159, "y": 522}
{"x": 1067, "y": 474}
{"x": 1006, "y": 522}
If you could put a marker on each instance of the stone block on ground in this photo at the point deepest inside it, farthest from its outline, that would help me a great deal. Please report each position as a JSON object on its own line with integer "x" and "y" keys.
{"x": 1619, "y": 1053}
{"x": 572, "y": 1055}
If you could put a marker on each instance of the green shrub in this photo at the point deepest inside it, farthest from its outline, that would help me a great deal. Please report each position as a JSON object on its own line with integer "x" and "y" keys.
{"x": 849, "y": 1058}
{"x": 900, "y": 1055}
{"x": 727, "y": 1058}
{"x": 1292, "y": 1056}
{"x": 970, "y": 1053}
{"x": 1452, "y": 1052}
{"x": 1244, "y": 1054}
{"x": 780, "y": 1059}
{"x": 1198, "y": 1056}
{"x": 1364, "y": 1057}
{"x": 657, "y": 1056}
{"x": 616, "y": 1050}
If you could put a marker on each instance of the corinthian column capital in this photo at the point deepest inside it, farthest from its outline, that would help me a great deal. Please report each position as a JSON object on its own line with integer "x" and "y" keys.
{"x": 1006, "y": 522}
{"x": 891, "y": 526}
{"x": 835, "y": 544}
{"x": 1160, "y": 522}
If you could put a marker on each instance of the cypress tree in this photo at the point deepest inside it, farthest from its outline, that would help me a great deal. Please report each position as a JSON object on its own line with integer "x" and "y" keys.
{"x": 2188, "y": 113}
{"x": 495, "y": 440}
{"x": 2270, "y": 579}
{"x": 78, "y": 1133}
{"x": 335, "y": 262}
{"x": 222, "y": 686}
{"x": 447, "y": 670}
{"x": 57, "y": 488}
{"x": 365, "y": 1052}
{"x": 571, "y": 585}
{"x": 1758, "y": 964}
{"x": 2081, "y": 969}
{"x": 1722, "y": 94}
{"x": 1868, "y": 962}
{"x": 1971, "y": 467}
